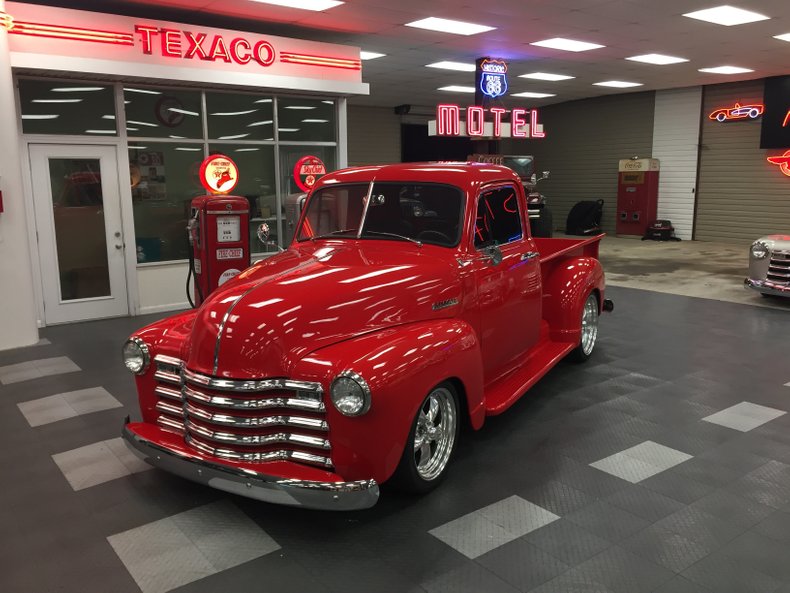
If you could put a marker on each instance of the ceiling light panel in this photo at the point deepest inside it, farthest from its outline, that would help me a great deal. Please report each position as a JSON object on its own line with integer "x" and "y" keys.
{"x": 658, "y": 59}
{"x": 531, "y": 95}
{"x": 784, "y": 37}
{"x": 315, "y": 5}
{"x": 454, "y": 88}
{"x": 617, "y": 84}
{"x": 370, "y": 55}
{"x": 567, "y": 44}
{"x": 546, "y": 76}
{"x": 460, "y": 66}
{"x": 726, "y": 70}
{"x": 450, "y": 26}
{"x": 727, "y": 15}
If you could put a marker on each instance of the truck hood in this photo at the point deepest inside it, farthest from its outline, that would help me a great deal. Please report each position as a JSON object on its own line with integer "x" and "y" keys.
{"x": 316, "y": 294}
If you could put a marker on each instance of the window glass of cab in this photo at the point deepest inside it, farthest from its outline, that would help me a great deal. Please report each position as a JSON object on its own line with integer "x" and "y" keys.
{"x": 305, "y": 119}
{"x": 499, "y": 217}
{"x": 233, "y": 116}
{"x": 162, "y": 113}
{"x": 56, "y": 107}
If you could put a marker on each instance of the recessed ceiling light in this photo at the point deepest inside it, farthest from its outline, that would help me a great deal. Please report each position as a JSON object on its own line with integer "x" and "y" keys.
{"x": 141, "y": 91}
{"x": 100, "y": 131}
{"x": 531, "y": 95}
{"x": 108, "y": 117}
{"x": 450, "y": 26}
{"x": 658, "y": 59}
{"x": 247, "y": 149}
{"x": 784, "y": 37}
{"x": 188, "y": 149}
{"x": 263, "y": 101}
{"x": 454, "y": 88}
{"x": 130, "y": 147}
{"x": 51, "y": 116}
{"x": 233, "y": 137}
{"x": 300, "y": 106}
{"x": 260, "y": 123}
{"x": 303, "y": 4}
{"x": 727, "y": 15}
{"x": 56, "y": 101}
{"x": 546, "y": 76}
{"x": 183, "y": 111}
{"x": 460, "y": 66}
{"x": 725, "y": 70}
{"x": 77, "y": 89}
{"x": 617, "y": 84}
{"x": 370, "y": 55}
{"x": 141, "y": 123}
{"x": 247, "y": 112}
{"x": 287, "y": 129}
{"x": 315, "y": 121}
{"x": 567, "y": 44}
{"x": 128, "y": 129}
{"x": 328, "y": 102}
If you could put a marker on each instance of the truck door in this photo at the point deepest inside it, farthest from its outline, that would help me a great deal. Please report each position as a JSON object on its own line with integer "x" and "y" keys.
{"x": 509, "y": 292}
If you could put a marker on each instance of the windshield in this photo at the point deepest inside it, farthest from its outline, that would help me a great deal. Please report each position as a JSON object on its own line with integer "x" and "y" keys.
{"x": 428, "y": 213}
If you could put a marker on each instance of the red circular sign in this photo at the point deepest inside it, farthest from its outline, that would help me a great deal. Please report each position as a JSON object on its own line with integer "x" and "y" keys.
{"x": 219, "y": 174}
{"x": 307, "y": 171}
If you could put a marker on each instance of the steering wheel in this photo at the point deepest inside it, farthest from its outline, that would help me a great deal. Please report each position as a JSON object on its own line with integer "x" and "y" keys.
{"x": 433, "y": 237}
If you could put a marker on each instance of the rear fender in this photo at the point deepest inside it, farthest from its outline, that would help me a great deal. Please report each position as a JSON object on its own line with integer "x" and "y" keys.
{"x": 565, "y": 289}
{"x": 400, "y": 365}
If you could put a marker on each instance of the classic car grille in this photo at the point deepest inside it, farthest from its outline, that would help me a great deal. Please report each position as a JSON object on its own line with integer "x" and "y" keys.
{"x": 254, "y": 421}
{"x": 779, "y": 267}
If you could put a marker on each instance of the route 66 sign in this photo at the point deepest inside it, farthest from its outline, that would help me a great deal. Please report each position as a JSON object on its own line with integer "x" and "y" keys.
{"x": 493, "y": 78}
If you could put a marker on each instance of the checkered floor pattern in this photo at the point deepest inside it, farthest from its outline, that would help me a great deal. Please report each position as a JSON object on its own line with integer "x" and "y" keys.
{"x": 662, "y": 464}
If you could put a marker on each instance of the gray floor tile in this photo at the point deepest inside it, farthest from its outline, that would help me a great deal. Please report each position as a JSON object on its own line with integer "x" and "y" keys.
{"x": 667, "y": 549}
{"x": 67, "y": 405}
{"x": 522, "y": 565}
{"x": 607, "y": 522}
{"x": 644, "y": 503}
{"x": 641, "y": 461}
{"x": 776, "y": 526}
{"x": 567, "y": 541}
{"x": 744, "y": 416}
{"x": 622, "y": 572}
{"x": 682, "y": 585}
{"x": 697, "y": 525}
{"x": 558, "y": 497}
{"x": 572, "y": 583}
{"x": 470, "y": 578}
{"x": 177, "y": 550}
{"x": 488, "y": 528}
{"x": 718, "y": 573}
{"x": 34, "y": 369}
{"x": 98, "y": 463}
{"x": 763, "y": 491}
{"x": 679, "y": 487}
{"x": 733, "y": 508}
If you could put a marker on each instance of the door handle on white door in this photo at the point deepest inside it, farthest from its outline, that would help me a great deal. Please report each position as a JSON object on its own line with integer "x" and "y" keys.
{"x": 529, "y": 255}
{"x": 118, "y": 246}
{"x": 117, "y": 234}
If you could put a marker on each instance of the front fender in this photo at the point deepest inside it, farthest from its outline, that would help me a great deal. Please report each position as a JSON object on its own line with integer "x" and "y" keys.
{"x": 401, "y": 365}
{"x": 565, "y": 290}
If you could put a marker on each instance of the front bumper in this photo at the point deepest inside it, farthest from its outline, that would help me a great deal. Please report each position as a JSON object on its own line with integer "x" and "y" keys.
{"x": 335, "y": 496}
{"x": 767, "y": 287}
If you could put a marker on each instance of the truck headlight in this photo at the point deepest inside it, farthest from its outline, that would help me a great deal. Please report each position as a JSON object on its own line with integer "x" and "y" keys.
{"x": 350, "y": 394}
{"x": 759, "y": 250}
{"x": 136, "y": 356}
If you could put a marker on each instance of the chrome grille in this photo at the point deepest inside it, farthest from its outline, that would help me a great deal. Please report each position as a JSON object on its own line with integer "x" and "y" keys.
{"x": 254, "y": 421}
{"x": 779, "y": 268}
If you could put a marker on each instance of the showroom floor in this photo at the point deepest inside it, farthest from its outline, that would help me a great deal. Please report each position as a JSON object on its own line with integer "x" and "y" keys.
{"x": 662, "y": 464}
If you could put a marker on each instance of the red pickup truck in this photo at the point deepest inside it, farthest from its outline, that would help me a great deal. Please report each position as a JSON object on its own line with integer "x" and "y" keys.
{"x": 411, "y": 299}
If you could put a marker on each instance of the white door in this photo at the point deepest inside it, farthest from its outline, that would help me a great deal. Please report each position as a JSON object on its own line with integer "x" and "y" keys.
{"x": 80, "y": 239}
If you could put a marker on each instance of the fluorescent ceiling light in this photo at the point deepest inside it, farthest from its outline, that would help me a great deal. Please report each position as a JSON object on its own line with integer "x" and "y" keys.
{"x": 727, "y": 15}
{"x": 77, "y": 89}
{"x": 783, "y": 37}
{"x": 108, "y": 117}
{"x": 328, "y": 102}
{"x": 287, "y": 129}
{"x": 454, "y": 88}
{"x": 128, "y": 129}
{"x": 531, "y": 95}
{"x": 617, "y": 84}
{"x": 56, "y": 101}
{"x": 658, "y": 59}
{"x": 370, "y": 55}
{"x": 143, "y": 123}
{"x": 235, "y": 112}
{"x": 546, "y": 76}
{"x": 460, "y": 66}
{"x": 52, "y": 116}
{"x": 137, "y": 147}
{"x": 233, "y": 137}
{"x": 141, "y": 91}
{"x": 177, "y": 137}
{"x": 315, "y": 121}
{"x": 263, "y": 101}
{"x": 725, "y": 70}
{"x": 316, "y": 5}
{"x": 260, "y": 123}
{"x": 450, "y": 26}
{"x": 183, "y": 111}
{"x": 300, "y": 107}
{"x": 246, "y": 149}
{"x": 187, "y": 149}
{"x": 100, "y": 131}
{"x": 567, "y": 44}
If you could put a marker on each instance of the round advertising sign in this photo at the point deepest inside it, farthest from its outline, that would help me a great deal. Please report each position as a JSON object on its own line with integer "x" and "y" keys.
{"x": 307, "y": 171}
{"x": 219, "y": 174}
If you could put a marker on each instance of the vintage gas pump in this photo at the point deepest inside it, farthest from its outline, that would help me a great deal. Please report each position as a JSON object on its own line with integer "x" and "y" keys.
{"x": 218, "y": 230}
{"x": 637, "y": 195}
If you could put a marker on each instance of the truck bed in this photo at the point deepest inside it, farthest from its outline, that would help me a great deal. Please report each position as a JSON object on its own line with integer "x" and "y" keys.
{"x": 551, "y": 249}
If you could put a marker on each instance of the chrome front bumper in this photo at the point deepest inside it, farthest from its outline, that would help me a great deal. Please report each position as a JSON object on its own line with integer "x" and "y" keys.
{"x": 335, "y": 496}
{"x": 767, "y": 287}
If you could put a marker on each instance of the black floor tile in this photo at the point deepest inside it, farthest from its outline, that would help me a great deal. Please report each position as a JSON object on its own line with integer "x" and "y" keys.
{"x": 608, "y": 522}
{"x": 522, "y": 564}
{"x": 644, "y": 503}
{"x": 682, "y": 489}
{"x": 567, "y": 541}
{"x": 470, "y": 578}
{"x": 622, "y": 572}
{"x": 699, "y": 526}
{"x": 733, "y": 508}
{"x": 557, "y": 497}
{"x": 682, "y": 585}
{"x": 776, "y": 526}
{"x": 718, "y": 573}
{"x": 667, "y": 549}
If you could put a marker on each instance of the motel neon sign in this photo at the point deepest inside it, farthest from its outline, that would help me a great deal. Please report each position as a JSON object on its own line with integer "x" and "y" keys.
{"x": 477, "y": 121}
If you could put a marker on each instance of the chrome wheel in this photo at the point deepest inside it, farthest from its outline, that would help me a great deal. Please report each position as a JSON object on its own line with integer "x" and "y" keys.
{"x": 434, "y": 434}
{"x": 589, "y": 325}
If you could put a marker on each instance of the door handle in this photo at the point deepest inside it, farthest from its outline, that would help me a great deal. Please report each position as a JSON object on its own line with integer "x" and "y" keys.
{"x": 118, "y": 246}
{"x": 117, "y": 234}
{"x": 529, "y": 255}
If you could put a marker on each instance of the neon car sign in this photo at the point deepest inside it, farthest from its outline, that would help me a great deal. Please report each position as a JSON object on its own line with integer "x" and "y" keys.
{"x": 737, "y": 112}
{"x": 783, "y": 161}
{"x": 493, "y": 78}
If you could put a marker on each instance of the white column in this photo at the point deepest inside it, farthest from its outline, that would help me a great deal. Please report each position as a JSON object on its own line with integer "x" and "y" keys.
{"x": 17, "y": 301}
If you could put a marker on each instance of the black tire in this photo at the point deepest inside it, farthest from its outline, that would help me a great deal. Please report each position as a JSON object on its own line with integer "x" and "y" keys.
{"x": 408, "y": 476}
{"x": 589, "y": 318}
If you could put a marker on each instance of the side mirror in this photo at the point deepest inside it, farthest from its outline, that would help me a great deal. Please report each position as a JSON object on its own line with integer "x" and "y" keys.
{"x": 546, "y": 174}
{"x": 534, "y": 179}
{"x": 263, "y": 233}
{"x": 494, "y": 254}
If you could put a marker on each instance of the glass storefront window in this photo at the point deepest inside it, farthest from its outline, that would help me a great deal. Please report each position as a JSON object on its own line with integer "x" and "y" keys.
{"x": 239, "y": 117}
{"x": 56, "y": 107}
{"x": 257, "y": 184}
{"x": 164, "y": 179}
{"x": 162, "y": 113}
{"x": 311, "y": 120}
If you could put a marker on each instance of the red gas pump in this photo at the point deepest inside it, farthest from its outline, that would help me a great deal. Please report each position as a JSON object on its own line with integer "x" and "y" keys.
{"x": 218, "y": 229}
{"x": 637, "y": 195}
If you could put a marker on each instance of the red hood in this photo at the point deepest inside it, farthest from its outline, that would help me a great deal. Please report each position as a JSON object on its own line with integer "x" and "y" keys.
{"x": 314, "y": 295}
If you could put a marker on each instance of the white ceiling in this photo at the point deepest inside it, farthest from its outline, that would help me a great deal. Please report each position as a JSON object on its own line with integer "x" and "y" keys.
{"x": 625, "y": 27}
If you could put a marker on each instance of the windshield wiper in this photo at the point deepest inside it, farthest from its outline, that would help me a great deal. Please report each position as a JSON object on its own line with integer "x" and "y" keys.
{"x": 337, "y": 232}
{"x": 397, "y": 236}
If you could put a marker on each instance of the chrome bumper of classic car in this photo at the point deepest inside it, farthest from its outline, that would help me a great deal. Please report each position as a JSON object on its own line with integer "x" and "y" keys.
{"x": 767, "y": 287}
{"x": 337, "y": 496}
